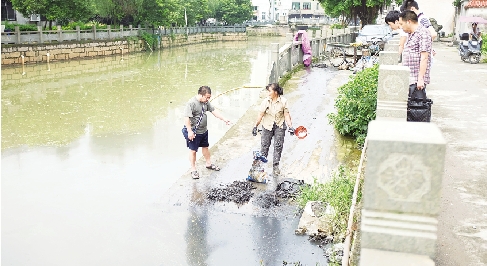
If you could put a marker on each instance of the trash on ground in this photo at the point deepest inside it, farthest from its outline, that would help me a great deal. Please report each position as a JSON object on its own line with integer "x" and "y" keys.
{"x": 257, "y": 172}
{"x": 239, "y": 192}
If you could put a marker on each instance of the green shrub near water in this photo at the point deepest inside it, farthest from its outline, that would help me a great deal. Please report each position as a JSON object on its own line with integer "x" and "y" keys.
{"x": 356, "y": 104}
{"x": 150, "y": 40}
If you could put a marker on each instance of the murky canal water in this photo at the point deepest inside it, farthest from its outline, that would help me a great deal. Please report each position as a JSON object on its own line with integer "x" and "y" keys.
{"x": 92, "y": 154}
{"x": 88, "y": 145}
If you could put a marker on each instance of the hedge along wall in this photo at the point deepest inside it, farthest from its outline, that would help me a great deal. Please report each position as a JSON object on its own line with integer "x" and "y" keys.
{"x": 37, "y": 53}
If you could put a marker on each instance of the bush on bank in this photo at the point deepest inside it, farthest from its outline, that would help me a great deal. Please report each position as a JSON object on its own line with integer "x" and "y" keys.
{"x": 338, "y": 193}
{"x": 356, "y": 104}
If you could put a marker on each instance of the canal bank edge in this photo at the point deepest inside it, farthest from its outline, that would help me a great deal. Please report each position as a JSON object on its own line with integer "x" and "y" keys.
{"x": 38, "y": 53}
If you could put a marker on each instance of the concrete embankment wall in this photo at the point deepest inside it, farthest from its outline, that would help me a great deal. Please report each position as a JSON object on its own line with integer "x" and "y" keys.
{"x": 37, "y": 53}
{"x": 269, "y": 31}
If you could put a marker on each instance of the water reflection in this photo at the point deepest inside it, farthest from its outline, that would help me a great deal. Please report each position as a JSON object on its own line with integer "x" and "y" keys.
{"x": 267, "y": 239}
{"x": 111, "y": 145}
{"x": 196, "y": 232}
{"x": 115, "y": 97}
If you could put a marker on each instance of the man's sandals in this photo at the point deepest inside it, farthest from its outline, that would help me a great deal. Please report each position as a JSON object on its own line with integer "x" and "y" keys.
{"x": 213, "y": 167}
{"x": 195, "y": 175}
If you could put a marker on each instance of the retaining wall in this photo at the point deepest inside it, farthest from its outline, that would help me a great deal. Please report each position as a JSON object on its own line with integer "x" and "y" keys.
{"x": 36, "y": 53}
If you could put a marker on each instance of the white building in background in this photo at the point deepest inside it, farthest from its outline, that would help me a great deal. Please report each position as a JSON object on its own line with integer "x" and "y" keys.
{"x": 441, "y": 10}
{"x": 284, "y": 10}
{"x": 306, "y": 10}
{"x": 261, "y": 10}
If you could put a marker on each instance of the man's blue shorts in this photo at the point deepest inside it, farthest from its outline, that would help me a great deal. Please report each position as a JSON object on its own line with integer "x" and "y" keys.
{"x": 200, "y": 140}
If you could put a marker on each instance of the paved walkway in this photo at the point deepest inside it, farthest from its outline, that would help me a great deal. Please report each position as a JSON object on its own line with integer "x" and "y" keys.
{"x": 459, "y": 92}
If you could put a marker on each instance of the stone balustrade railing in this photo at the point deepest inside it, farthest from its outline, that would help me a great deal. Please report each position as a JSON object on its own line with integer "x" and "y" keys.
{"x": 59, "y": 35}
{"x": 285, "y": 58}
{"x": 403, "y": 176}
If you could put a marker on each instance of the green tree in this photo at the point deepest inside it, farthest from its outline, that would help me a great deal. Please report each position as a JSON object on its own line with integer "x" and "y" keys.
{"x": 160, "y": 12}
{"x": 213, "y": 8}
{"x": 55, "y": 9}
{"x": 118, "y": 11}
{"x": 234, "y": 11}
{"x": 366, "y": 10}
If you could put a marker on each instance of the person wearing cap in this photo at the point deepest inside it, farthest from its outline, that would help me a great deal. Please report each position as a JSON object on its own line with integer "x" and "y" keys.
{"x": 475, "y": 34}
{"x": 275, "y": 118}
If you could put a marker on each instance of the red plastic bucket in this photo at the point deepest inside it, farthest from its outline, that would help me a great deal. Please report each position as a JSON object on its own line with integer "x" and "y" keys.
{"x": 301, "y": 132}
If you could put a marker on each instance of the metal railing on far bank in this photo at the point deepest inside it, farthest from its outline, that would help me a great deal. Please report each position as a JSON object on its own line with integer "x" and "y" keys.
{"x": 59, "y": 35}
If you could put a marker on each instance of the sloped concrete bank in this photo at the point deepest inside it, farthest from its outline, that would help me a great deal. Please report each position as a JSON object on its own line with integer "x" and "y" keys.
{"x": 260, "y": 235}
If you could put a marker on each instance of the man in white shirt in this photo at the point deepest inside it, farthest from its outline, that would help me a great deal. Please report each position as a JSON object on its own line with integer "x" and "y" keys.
{"x": 392, "y": 19}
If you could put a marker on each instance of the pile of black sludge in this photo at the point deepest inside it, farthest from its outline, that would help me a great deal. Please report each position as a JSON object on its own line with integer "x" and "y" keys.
{"x": 289, "y": 189}
{"x": 239, "y": 192}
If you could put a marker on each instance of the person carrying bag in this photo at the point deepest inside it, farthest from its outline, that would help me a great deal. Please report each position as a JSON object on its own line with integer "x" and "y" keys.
{"x": 419, "y": 106}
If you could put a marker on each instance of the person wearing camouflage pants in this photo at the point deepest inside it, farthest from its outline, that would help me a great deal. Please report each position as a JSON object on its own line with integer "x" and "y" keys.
{"x": 275, "y": 117}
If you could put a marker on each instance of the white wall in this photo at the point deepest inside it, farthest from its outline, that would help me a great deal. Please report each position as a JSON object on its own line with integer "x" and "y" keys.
{"x": 262, "y": 6}
{"x": 441, "y": 10}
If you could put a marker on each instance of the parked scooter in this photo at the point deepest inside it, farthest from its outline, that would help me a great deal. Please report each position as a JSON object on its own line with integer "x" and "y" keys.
{"x": 469, "y": 49}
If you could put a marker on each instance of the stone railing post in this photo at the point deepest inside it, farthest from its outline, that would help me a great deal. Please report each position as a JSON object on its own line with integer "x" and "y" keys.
{"x": 130, "y": 29}
{"x": 392, "y": 92}
{"x": 17, "y": 34}
{"x": 401, "y": 195}
{"x": 78, "y": 33}
{"x": 391, "y": 46}
{"x": 94, "y": 32}
{"x": 59, "y": 33}
{"x": 39, "y": 30}
{"x": 121, "y": 31}
{"x": 289, "y": 57}
{"x": 290, "y": 37}
{"x": 388, "y": 57}
{"x": 109, "y": 27}
{"x": 275, "y": 60}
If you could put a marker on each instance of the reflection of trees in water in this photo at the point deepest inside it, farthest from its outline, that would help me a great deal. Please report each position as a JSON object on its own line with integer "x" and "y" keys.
{"x": 196, "y": 239}
{"x": 114, "y": 97}
{"x": 267, "y": 237}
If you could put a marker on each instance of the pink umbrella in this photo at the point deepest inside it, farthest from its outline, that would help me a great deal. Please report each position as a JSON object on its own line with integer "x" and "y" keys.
{"x": 479, "y": 20}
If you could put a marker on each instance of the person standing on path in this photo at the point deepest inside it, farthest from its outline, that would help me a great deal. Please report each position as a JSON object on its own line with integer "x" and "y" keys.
{"x": 275, "y": 117}
{"x": 475, "y": 34}
{"x": 417, "y": 50}
{"x": 195, "y": 122}
{"x": 422, "y": 19}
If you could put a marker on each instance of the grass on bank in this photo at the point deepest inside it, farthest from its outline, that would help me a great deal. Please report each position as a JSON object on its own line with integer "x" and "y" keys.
{"x": 338, "y": 193}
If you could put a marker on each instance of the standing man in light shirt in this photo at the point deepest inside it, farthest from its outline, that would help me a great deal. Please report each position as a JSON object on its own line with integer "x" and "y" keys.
{"x": 417, "y": 51}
